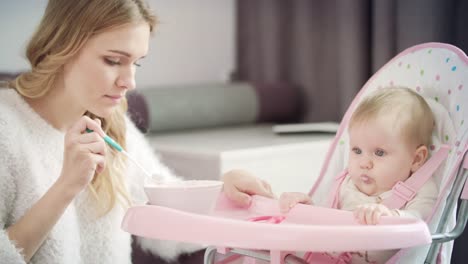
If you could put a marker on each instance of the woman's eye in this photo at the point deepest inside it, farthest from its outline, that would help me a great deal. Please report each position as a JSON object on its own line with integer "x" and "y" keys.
{"x": 112, "y": 62}
{"x": 357, "y": 150}
{"x": 379, "y": 152}
{"x": 137, "y": 64}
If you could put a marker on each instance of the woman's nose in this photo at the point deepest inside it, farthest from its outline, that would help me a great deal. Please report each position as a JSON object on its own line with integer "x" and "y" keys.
{"x": 126, "y": 80}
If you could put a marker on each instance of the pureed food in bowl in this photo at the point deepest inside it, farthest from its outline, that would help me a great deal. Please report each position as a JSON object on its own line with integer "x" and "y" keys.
{"x": 196, "y": 196}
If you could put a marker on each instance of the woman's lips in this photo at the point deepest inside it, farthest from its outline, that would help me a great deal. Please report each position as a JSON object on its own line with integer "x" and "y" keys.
{"x": 114, "y": 98}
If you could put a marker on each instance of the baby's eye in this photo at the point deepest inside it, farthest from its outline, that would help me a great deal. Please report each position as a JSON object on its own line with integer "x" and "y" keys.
{"x": 379, "y": 152}
{"x": 357, "y": 150}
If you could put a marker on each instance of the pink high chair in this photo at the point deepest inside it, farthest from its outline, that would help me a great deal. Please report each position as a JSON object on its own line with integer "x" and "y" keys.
{"x": 439, "y": 72}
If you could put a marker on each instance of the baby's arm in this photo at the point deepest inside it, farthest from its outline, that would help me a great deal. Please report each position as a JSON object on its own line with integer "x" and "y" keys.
{"x": 369, "y": 214}
{"x": 288, "y": 200}
{"x": 420, "y": 207}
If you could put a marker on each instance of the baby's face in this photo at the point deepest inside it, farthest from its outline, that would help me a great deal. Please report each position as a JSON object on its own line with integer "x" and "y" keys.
{"x": 379, "y": 157}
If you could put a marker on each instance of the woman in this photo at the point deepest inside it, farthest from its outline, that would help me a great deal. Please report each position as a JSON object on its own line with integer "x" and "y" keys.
{"x": 63, "y": 193}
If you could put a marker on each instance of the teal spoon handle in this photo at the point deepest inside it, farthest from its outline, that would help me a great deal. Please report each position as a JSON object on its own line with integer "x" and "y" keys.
{"x": 116, "y": 145}
{"x": 109, "y": 141}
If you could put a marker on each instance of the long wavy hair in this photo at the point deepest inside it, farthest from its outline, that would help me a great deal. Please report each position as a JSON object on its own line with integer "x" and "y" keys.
{"x": 64, "y": 29}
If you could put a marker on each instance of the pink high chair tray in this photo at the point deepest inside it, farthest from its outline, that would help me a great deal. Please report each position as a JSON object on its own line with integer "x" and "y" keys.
{"x": 261, "y": 226}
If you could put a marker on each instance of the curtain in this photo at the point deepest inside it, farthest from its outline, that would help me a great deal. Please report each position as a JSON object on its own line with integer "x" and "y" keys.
{"x": 330, "y": 48}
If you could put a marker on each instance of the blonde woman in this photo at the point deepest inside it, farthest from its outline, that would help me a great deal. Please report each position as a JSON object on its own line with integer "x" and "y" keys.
{"x": 63, "y": 193}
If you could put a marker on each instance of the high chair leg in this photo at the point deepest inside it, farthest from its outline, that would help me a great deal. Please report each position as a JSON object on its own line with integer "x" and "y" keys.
{"x": 252, "y": 257}
{"x": 210, "y": 254}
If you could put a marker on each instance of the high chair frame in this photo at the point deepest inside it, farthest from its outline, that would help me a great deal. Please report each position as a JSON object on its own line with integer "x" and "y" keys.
{"x": 462, "y": 216}
{"x": 439, "y": 237}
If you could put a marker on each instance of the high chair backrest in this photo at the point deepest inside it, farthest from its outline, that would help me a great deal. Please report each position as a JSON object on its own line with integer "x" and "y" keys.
{"x": 438, "y": 72}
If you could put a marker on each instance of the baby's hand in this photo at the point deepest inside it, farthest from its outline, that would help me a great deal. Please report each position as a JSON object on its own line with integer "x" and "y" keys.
{"x": 370, "y": 214}
{"x": 288, "y": 200}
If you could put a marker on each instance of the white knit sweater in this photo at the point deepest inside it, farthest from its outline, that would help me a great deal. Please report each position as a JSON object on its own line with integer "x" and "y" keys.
{"x": 31, "y": 161}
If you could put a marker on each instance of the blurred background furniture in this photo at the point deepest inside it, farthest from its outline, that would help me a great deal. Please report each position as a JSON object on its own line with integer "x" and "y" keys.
{"x": 287, "y": 162}
{"x": 203, "y": 131}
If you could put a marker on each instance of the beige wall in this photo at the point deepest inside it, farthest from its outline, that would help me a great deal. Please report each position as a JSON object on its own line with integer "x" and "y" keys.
{"x": 194, "y": 42}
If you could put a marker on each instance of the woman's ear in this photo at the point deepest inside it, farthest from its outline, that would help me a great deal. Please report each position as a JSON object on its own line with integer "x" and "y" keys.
{"x": 420, "y": 156}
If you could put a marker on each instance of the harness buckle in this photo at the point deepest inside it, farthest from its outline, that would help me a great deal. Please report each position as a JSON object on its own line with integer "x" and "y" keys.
{"x": 404, "y": 191}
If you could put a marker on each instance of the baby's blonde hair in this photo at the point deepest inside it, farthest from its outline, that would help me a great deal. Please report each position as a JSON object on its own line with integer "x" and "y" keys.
{"x": 64, "y": 29}
{"x": 410, "y": 114}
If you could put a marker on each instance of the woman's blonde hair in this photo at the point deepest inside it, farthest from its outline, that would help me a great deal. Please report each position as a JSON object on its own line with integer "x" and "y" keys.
{"x": 64, "y": 29}
{"x": 410, "y": 114}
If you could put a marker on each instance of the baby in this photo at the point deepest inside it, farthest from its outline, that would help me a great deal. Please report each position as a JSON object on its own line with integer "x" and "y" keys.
{"x": 389, "y": 133}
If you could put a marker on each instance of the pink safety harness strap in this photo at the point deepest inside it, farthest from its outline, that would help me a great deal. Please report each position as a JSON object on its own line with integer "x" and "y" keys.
{"x": 333, "y": 198}
{"x": 403, "y": 192}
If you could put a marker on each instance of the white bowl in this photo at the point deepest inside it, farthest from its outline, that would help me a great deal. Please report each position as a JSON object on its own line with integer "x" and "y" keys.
{"x": 196, "y": 196}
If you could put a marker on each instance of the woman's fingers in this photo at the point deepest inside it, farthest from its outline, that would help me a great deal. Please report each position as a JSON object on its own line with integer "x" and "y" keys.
{"x": 239, "y": 185}
{"x": 268, "y": 190}
{"x": 285, "y": 203}
{"x": 98, "y": 121}
{"x": 100, "y": 162}
{"x": 87, "y": 123}
{"x": 259, "y": 187}
{"x": 237, "y": 196}
{"x": 96, "y": 147}
{"x": 290, "y": 199}
{"x": 91, "y": 137}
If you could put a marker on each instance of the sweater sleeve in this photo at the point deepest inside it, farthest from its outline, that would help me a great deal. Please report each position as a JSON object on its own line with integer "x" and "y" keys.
{"x": 8, "y": 251}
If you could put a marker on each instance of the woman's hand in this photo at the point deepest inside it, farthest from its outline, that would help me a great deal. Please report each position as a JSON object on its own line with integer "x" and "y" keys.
{"x": 239, "y": 185}
{"x": 84, "y": 154}
{"x": 288, "y": 200}
{"x": 369, "y": 214}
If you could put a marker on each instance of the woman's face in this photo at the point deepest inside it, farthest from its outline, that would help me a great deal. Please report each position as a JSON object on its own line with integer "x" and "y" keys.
{"x": 104, "y": 69}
